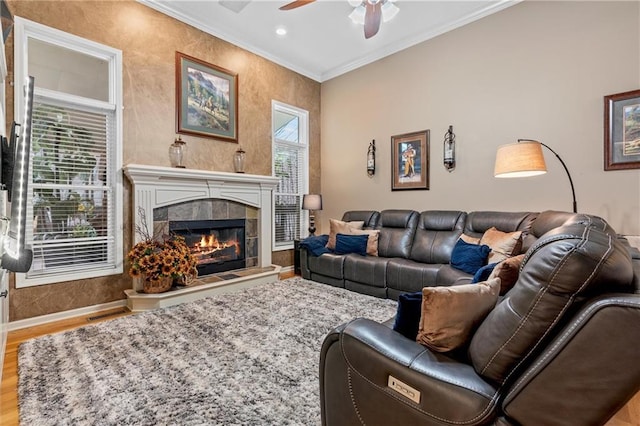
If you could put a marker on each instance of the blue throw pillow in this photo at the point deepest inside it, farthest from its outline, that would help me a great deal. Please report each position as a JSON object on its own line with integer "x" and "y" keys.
{"x": 483, "y": 273}
{"x": 316, "y": 244}
{"x": 408, "y": 314}
{"x": 346, "y": 244}
{"x": 469, "y": 257}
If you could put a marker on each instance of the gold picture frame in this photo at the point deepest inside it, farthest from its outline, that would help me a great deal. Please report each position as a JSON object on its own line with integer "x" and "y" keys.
{"x": 410, "y": 161}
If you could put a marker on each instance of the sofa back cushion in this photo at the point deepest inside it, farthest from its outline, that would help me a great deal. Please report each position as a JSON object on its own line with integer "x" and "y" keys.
{"x": 369, "y": 217}
{"x": 545, "y": 222}
{"x": 481, "y": 221}
{"x": 397, "y": 229}
{"x": 436, "y": 235}
{"x": 578, "y": 260}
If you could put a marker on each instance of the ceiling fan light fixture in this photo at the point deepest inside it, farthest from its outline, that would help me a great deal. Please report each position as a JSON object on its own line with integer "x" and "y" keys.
{"x": 389, "y": 11}
{"x": 357, "y": 16}
{"x": 355, "y": 3}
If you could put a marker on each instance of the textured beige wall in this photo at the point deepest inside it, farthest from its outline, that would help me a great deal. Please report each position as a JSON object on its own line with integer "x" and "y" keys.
{"x": 149, "y": 41}
{"x": 535, "y": 70}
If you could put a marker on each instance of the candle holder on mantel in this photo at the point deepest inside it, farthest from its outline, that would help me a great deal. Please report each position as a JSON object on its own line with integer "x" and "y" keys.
{"x": 238, "y": 160}
{"x": 178, "y": 152}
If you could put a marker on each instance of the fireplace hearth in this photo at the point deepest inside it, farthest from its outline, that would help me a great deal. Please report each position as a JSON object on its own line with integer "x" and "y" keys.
{"x": 218, "y": 245}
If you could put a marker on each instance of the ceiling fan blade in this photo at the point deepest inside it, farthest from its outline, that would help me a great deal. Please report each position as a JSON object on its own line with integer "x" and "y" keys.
{"x": 295, "y": 4}
{"x": 372, "y": 19}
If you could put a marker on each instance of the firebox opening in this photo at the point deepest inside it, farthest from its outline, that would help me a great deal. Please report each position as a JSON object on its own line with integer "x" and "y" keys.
{"x": 218, "y": 245}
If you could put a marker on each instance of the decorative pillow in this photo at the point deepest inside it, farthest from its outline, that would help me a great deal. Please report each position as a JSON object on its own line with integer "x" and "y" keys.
{"x": 469, "y": 239}
{"x": 340, "y": 227}
{"x": 372, "y": 242}
{"x": 508, "y": 271}
{"x": 451, "y": 314}
{"x": 346, "y": 244}
{"x": 503, "y": 244}
{"x": 469, "y": 257}
{"x": 316, "y": 244}
{"x": 483, "y": 273}
{"x": 408, "y": 314}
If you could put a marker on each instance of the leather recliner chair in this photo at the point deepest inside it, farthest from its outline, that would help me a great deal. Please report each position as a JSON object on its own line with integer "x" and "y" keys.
{"x": 561, "y": 348}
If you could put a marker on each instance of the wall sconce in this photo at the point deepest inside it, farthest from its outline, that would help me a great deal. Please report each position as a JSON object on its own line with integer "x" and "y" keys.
{"x": 371, "y": 158}
{"x": 312, "y": 202}
{"x": 450, "y": 150}
{"x": 524, "y": 159}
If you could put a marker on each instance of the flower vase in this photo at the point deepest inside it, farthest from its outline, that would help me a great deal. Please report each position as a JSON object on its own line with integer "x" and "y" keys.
{"x": 156, "y": 286}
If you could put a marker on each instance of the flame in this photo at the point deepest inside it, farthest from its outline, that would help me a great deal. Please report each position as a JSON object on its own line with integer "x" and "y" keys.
{"x": 209, "y": 244}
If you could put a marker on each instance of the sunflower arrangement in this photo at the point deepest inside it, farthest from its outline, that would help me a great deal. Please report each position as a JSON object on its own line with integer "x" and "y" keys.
{"x": 155, "y": 259}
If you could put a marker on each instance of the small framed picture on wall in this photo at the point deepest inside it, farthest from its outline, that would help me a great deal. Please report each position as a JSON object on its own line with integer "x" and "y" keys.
{"x": 410, "y": 161}
{"x": 622, "y": 131}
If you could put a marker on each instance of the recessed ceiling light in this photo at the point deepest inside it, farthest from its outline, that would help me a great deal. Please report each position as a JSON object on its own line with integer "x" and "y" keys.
{"x": 281, "y": 31}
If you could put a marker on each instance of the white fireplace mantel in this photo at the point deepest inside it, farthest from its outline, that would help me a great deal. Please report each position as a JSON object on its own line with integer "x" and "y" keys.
{"x": 155, "y": 186}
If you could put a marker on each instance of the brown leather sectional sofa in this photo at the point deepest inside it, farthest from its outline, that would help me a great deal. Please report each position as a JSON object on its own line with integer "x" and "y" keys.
{"x": 562, "y": 347}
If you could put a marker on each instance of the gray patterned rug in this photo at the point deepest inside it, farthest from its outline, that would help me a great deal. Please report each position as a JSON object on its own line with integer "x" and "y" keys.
{"x": 247, "y": 358}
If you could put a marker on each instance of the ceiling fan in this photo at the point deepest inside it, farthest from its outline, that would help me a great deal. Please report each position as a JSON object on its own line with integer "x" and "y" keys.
{"x": 367, "y": 12}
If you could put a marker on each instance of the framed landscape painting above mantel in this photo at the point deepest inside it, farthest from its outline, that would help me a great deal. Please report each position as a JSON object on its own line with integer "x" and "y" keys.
{"x": 206, "y": 99}
{"x": 410, "y": 161}
{"x": 622, "y": 131}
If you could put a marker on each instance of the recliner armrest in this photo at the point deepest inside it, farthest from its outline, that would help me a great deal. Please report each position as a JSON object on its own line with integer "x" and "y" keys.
{"x": 368, "y": 373}
{"x": 592, "y": 375}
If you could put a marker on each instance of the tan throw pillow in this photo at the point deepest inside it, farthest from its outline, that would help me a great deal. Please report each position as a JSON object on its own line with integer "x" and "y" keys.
{"x": 372, "y": 240}
{"x": 503, "y": 244}
{"x": 339, "y": 227}
{"x": 451, "y": 314}
{"x": 469, "y": 239}
{"x": 508, "y": 271}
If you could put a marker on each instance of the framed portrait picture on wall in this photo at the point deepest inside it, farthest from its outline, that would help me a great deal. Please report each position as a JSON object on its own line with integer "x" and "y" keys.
{"x": 206, "y": 99}
{"x": 622, "y": 131}
{"x": 410, "y": 161}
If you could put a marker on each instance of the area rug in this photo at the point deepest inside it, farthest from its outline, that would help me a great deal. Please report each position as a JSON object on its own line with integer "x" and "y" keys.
{"x": 246, "y": 358}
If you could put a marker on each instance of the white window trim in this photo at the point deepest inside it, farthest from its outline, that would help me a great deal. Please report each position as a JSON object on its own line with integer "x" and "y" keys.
{"x": 24, "y": 29}
{"x": 303, "y": 115}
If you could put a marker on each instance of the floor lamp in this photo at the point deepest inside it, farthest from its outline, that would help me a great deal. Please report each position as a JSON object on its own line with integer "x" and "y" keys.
{"x": 525, "y": 158}
{"x": 312, "y": 202}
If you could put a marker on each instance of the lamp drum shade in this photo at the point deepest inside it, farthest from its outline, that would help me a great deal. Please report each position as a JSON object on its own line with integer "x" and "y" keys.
{"x": 520, "y": 159}
{"x": 312, "y": 202}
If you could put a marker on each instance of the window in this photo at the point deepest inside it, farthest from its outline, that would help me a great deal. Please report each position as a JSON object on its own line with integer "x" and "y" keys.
{"x": 75, "y": 217}
{"x": 290, "y": 163}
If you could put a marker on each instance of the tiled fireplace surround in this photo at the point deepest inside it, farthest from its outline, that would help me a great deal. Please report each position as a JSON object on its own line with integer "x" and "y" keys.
{"x": 166, "y": 194}
{"x": 212, "y": 209}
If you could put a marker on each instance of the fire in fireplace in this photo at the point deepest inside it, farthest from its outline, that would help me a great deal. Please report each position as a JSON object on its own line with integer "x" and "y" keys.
{"x": 218, "y": 245}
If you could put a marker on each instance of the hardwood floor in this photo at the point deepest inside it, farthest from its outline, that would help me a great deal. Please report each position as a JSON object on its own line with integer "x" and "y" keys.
{"x": 629, "y": 415}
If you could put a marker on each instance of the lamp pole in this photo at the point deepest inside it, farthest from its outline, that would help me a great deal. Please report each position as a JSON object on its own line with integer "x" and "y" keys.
{"x": 573, "y": 191}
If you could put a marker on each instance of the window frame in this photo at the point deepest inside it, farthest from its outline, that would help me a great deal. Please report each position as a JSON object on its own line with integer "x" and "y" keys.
{"x": 23, "y": 30}
{"x": 303, "y": 146}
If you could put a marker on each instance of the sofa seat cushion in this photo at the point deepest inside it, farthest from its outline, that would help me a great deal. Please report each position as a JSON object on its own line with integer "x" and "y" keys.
{"x": 408, "y": 276}
{"x": 448, "y": 275}
{"x": 369, "y": 270}
{"x": 566, "y": 265}
{"x": 331, "y": 265}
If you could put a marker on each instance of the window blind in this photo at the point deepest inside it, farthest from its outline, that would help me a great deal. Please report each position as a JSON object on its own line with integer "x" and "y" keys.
{"x": 290, "y": 167}
{"x": 71, "y": 221}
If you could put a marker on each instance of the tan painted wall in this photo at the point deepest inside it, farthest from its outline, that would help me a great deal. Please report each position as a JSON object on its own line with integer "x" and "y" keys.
{"x": 535, "y": 70}
{"x": 149, "y": 41}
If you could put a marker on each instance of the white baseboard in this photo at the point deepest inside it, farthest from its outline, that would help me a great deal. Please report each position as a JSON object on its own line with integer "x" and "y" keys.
{"x": 286, "y": 269}
{"x": 44, "y": 319}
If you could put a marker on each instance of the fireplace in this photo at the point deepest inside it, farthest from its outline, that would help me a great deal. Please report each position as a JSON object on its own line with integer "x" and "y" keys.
{"x": 218, "y": 245}
{"x": 166, "y": 194}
